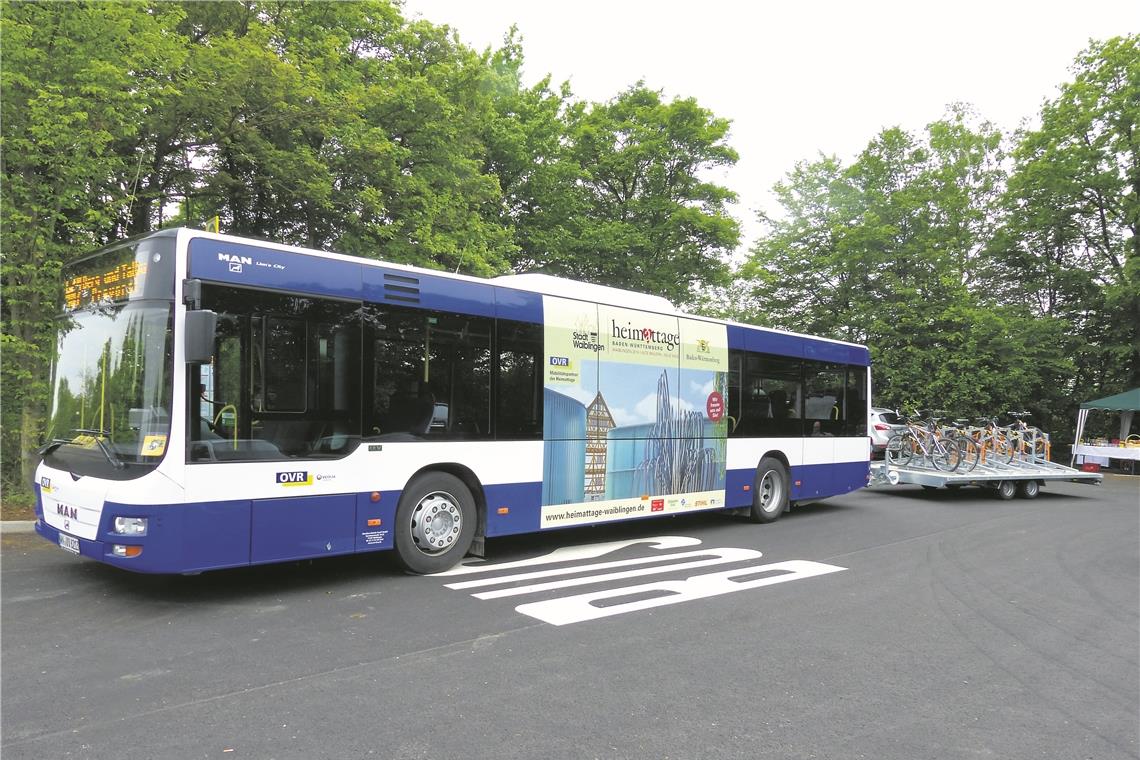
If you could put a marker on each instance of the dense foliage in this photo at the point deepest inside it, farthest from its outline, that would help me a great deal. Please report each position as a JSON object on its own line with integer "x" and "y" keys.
{"x": 331, "y": 125}
{"x": 985, "y": 271}
{"x": 987, "y": 274}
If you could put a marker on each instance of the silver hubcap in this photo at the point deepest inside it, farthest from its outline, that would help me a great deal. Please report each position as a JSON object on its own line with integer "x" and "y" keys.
{"x": 771, "y": 491}
{"x": 436, "y": 523}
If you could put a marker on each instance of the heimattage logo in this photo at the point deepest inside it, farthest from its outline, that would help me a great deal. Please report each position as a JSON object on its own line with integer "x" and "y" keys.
{"x": 645, "y": 334}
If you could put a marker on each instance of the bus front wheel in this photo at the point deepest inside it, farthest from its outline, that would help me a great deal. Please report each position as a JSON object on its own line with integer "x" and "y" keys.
{"x": 769, "y": 491}
{"x": 435, "y": 523}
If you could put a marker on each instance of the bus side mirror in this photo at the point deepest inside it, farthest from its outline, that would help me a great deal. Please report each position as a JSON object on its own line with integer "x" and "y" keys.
{"x": 201, "y": 327}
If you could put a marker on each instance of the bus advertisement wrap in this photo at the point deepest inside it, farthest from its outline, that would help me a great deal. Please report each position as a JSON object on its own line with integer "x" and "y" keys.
{"x": 634, "y": 413}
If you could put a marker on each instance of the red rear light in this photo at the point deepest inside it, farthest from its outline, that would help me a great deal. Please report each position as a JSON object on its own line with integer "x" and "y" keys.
{"x": 881, "y": 426}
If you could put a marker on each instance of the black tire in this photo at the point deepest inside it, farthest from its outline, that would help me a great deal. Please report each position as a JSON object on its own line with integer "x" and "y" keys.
{"x": 769, "y": 491}
{"x": 1006, "y": 490}
{"x": 435, "y": 523}
{"x": 1028, "y": 489}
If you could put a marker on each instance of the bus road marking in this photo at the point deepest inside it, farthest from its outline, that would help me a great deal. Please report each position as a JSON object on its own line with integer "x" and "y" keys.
{"x": 575, "y": 609}
{"x": 720, "y": 557}
{"x": 572, "y": 553}
{"x": 608, "y": 602}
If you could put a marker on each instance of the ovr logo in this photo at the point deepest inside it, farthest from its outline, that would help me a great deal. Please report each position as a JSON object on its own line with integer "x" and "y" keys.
{"x": 559, "y": 361}
{"x": 298, "y": 478}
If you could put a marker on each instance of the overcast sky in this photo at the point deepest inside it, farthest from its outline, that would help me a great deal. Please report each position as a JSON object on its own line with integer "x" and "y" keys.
{"x": 800, "y": 78}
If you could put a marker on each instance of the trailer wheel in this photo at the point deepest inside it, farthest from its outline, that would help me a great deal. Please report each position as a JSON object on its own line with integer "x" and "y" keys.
{"x": 769, "y": 491}
{"x": 435, "y": 523}
{"x": 1028, "y": 489}
{"x": 1006, "y": 490}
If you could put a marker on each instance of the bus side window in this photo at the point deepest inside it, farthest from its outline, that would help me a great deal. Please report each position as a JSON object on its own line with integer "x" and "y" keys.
{"x": 518, "y": 381}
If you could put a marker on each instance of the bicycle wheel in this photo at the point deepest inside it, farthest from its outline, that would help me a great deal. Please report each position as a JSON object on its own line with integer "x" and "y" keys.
{"x": 945, "y": 454}
{"x": 1002, "y": 449}
{"x": 900, "y": 449}
{"x": 969, "y": 453}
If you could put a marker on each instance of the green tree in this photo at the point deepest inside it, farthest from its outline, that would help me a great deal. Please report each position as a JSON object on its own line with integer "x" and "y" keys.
{"x": 78, "y": 80}
{"x": 647, "y": 220}
{"x": 1070, "y": 245}
{"x": 890, "y": 251}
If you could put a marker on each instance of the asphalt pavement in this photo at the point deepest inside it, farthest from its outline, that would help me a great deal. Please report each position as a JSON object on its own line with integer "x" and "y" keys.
{"x": 889, "y": 623}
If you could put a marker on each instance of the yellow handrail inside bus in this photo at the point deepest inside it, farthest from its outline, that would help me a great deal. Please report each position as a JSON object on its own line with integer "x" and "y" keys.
{"x": 218, "y": 417}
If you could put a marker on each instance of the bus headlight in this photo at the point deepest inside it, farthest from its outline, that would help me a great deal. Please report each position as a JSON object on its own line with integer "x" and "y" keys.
{"x": 130, "y": 526}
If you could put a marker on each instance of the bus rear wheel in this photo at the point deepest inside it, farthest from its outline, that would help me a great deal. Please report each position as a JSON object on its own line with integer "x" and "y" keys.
{"x": 769, "y": 491}
{"x": 435, "y": 523}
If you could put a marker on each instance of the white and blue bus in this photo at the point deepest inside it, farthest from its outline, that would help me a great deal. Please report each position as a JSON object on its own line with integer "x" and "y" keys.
{"x": 221, "y": 402}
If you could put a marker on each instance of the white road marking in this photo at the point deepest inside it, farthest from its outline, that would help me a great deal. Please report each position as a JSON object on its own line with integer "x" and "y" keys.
{"x": 572, "y": 553}
{"x": 715, "y": 557}
{"x": 608, "y": 602}
{"x": 575, "y": 609}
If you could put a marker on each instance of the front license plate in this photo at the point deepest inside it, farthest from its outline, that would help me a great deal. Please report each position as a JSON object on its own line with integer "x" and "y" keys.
{"x": 71, "y": 543}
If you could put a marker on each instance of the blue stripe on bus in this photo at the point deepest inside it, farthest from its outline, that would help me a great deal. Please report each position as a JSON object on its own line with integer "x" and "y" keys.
{"x": 836, "y": 352}
{"x": 521, "y": 499}
{"x": 261, "y": 267}
{"x": 418, "y": 290}
{"x": 518, "y": 305}
{"x": 773, "y": 343}
{"x": 742, "y": 338}
{"x": 816, "y": 481}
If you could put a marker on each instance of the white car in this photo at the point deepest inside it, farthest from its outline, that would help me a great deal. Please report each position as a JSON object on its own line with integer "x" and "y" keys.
{"x": 884, "y": 424}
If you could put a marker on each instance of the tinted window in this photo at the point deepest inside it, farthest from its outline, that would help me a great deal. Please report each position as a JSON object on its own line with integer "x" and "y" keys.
{"x": 430, "y": 374}
{"x": 771, "y": 397}
{"x": 518, "y": 404}
{"x": 284, "y": 382}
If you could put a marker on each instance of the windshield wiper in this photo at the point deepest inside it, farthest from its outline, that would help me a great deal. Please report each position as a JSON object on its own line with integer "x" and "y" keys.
{"x": 101, "y": 437}
{"x": 97, "y": 435}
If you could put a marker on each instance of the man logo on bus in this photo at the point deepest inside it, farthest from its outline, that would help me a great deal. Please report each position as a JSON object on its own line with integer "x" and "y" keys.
{"x": 235, "y": 261}
{"x": 297, "y": 478}
{"x": 65, "y": 511}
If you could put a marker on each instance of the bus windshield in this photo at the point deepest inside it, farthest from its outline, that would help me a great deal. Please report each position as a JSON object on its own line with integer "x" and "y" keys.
{"x": 112, "y": 394}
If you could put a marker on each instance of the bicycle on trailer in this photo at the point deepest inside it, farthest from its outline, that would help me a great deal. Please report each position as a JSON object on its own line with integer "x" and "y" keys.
{"x": 922, "y": 440}
{"x": 1031, "y": 443}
